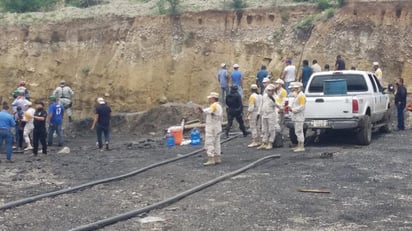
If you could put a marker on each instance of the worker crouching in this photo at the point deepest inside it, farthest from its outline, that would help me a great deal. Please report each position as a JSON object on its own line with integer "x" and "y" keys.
{"x": 297, "y": 108}
{"x": 214, "y": 117}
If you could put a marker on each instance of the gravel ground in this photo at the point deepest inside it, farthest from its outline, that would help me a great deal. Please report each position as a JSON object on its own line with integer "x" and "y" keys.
{"x": 369, "y": 187}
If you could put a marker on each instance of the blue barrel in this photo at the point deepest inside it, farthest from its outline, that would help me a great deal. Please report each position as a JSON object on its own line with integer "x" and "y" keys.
{"x": 170, "y": 140}
{"x": 195, "y": 138}
{"x": 335, "y": 87}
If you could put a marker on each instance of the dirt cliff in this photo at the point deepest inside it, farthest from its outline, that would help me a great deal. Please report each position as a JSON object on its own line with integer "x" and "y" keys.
{"x": 137, "y": 62}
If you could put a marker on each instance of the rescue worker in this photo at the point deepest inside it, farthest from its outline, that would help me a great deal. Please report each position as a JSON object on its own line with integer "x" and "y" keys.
{"x": 281, "y": 95}
{"x": 269, "y": 116}
{"x": 39, "y": 131}
{"x": 55, "y": 118}
{"x": 297, "y": 108}
{"x": 64, "y": 96}
{"x": 234, "y": 110}
{"x": 22, "y": 88}
{"x": 28, "y": 125}
{"x": 255, "y": 102}
{"x": 265, "y": 82}
{"x": 18, "y": 118}
{"x": 214, "y": 117}
{"x": 19, "y": 101}
{"x": 378, "y": 71}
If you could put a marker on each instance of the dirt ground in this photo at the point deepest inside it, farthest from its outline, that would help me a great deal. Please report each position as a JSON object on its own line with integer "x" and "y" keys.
{"x": 369, "y": 186}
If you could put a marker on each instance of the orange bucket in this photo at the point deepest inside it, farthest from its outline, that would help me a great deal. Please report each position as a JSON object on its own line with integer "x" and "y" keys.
{"x": 177, "y": 134}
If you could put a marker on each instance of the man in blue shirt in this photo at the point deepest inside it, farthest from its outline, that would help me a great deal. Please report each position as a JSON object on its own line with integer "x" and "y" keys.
{"x": 237, "y": 79}
{"x": 55, "y": 117}
{"x": 263, "y": 73}
{"x": 6, "y": 123}
{"x": 223, "y": 78}
{"x": 306, "y": 73}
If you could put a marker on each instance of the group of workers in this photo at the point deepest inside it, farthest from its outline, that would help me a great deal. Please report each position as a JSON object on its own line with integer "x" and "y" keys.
{"x": 29, "y": 124}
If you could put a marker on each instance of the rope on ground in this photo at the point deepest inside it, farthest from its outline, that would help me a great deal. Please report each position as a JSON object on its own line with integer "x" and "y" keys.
{"x": 125, "y": 216}
{"x": 101, "y": 181}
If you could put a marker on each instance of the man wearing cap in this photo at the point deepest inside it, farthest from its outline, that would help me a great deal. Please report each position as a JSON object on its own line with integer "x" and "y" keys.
{"x": 28, "y": 124}
{"x": 39, "y": 131}
{"x": 214, "y": 117}
{"x": 262, "y": 73}
{"x": 378, "y": 71}
{"x": 6, "y": 124}
{"x": 281, "y": 95}
{"x": 223, "y": 78}
{"x": 237, "y": 79}
{"x": 55, "y": 119}
{"x": 64, "y": 96}
{"x": 102, "y": 123}
{"x": 255, "y": 102}
{"x": 269, "y": 115}
{"x": 297, "y": 108}
{"x": 289, "y": 74}
{"x": 265, "y": 82}
{"x": 19, "y": 101}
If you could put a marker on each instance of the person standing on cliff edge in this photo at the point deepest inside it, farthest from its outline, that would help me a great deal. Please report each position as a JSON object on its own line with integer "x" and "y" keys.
{"x": 64, "y": 96}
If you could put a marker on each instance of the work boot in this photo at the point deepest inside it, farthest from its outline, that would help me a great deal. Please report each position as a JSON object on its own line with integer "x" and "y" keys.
{"x": 107, "y": 145}
{"x": 245, "y": 133}
{"x": 253, "y": 144}
{"x": 262, "y": 146}
{"x": 217, "y": 160}
{"x": 29, "y": 147}
{"x": 210, "y": 161}
{"x": 269, "y": 146}
{"x": 226, "y": 134}
{"x": 300, "y": 147}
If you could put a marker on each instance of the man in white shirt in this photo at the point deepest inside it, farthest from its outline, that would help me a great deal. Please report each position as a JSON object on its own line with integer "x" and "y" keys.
{"x": 315, "y": 66}
{"x": 289, "y": 74}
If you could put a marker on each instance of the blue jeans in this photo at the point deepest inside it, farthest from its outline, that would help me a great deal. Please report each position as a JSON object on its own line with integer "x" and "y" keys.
{"x": 401, "y": 110}
{"x": 224, "y": 91}
{"x": 287, "y": 87}
{"x": 6, "y": 135}
{"x": 100, "y": 130}
{"x": 58, "y": 129}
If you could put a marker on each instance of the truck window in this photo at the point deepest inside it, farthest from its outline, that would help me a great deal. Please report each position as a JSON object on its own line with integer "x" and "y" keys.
{"x": 373, "y": 83}
{"x": 378, "y": 83}
{"x": 355, "y": 83}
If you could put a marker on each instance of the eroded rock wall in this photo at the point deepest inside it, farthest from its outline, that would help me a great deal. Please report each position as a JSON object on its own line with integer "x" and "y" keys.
{"x": 136, "y": 62}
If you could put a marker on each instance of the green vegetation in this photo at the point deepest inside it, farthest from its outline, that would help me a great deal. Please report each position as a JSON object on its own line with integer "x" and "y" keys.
{"x": 324, "y": 4}
{"x": 238, "y": 4}
{"x": 86, "y": 70}
{"x": 173, "y": 8}
{"x": 341, "y": 2}
{"x": 22, "y": 6}
{"x": 284, "y": 16}
{"x": 329, "y": 13}
{"x": 82, "y": 3}
{"x": 306, "y": 23}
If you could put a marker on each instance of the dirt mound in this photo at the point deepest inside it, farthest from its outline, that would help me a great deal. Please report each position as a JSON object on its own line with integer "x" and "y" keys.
{"x": 155, "y": 120}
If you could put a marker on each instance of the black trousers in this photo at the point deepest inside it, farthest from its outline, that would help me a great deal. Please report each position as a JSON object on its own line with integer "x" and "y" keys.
{"x": 239, "y": 119}
{"x": 39, "y": 135}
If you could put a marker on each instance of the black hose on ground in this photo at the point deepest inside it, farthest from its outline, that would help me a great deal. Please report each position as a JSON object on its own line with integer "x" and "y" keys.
{"x": 28, "y": 200}
{"x": 125, "y": 216}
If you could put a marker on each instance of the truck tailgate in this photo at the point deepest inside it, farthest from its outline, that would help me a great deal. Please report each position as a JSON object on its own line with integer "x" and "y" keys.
{"x": 322, "y": 107}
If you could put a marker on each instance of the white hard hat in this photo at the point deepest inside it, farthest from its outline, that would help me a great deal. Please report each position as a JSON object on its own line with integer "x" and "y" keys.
{"x": 253, "y": 86}
{"x": 375, "y": 63}
{"x": 213, "y": 95}
{"x": 279, "y": 81}
{"x": 223, "y": 65}
{"x": 100, "y": 100}
{"x": 266, "y": 80}
{"x": 236, "y": 66}
{"x": 271, "y": 87}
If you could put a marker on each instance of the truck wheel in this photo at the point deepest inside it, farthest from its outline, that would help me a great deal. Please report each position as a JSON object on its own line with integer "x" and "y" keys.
{"x": 293, "y": 138}
{"x": 365, "y": 134}
{"x": 387, "y": 120}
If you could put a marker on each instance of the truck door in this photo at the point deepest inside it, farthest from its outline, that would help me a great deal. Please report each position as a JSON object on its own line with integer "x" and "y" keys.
{"x": 377, "y": 110}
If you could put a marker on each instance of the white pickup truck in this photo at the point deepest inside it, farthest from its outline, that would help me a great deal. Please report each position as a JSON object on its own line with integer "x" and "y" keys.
{"x": 363, "y": 108}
